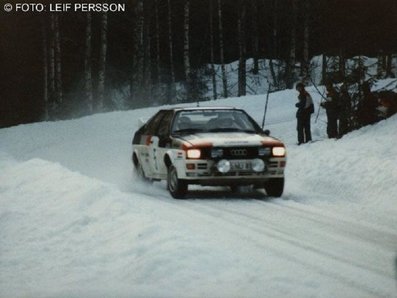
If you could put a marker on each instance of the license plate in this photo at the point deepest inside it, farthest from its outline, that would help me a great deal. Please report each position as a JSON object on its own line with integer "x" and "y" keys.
{"x": 238, "y": 165}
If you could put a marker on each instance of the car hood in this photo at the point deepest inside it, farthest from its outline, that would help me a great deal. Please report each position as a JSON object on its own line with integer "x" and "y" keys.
{"x": 230, "y": 139}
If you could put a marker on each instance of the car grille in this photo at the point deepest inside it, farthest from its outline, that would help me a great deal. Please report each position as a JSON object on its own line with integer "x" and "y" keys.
{"x": 234, "y": 152}
{"x": 240, "y": 152}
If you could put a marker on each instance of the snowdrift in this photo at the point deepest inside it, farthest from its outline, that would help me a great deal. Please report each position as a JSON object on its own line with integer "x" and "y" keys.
{"x": 73, "y": 221}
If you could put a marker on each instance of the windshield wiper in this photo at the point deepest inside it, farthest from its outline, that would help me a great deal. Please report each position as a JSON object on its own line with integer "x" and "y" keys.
{"x": 230, "y": 129}
{"x": 187, "y": 131}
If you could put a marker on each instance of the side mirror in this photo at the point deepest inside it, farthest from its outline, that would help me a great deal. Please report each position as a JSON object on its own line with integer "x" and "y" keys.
{"x": 266, "y": 132}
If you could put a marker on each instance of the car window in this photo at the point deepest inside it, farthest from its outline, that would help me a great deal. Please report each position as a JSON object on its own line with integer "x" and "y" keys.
{"x": 153, "y": 124}
{"x": 213, "y": 120}
{"x": 165, "y": 123}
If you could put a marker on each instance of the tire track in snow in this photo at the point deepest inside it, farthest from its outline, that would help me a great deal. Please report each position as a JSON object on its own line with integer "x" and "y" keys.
{"x": 375, "y": 235}
{"x": 329, "y": 238}
{"x": 296, "y": 243}
{"x": 288, "y": 248}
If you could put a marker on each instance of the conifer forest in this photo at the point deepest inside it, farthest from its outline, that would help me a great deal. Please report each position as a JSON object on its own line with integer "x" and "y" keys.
{"x": 67, "y": 63}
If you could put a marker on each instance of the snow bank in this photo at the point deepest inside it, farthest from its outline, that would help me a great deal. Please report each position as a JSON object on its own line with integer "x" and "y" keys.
{"x": 74, "y": 222}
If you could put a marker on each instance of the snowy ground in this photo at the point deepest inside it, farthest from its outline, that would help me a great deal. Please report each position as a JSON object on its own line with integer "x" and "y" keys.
{"x": 74, "y": 223}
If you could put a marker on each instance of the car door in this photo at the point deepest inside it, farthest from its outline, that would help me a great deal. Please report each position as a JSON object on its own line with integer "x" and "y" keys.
{"x": 163, "y": 141}
{"x": 151, "y": 144}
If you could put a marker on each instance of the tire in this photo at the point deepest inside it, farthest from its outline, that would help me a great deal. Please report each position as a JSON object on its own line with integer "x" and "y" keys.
{"x": 177, "y": 187}
{"x": 274, "y": 187}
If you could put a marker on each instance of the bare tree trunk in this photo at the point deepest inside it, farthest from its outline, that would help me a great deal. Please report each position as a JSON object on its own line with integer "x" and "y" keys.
{"x": 306, "y": 36}
{"x": 157, "y": 37}
{"x": 147, "y": 63}
{"x": 292, "y": 53}
{"x": 52, "y": 94}
{"x": 102, "y": 61}
{"x": 212, "y": 56}
{"x": 172, "y": 91}
{"x": 242, "y": 49}
{"x": 221, "y": 50}
{"x": 87, "y": 64}
{"x": 58, "y": 62}
{"x": 138, "y": 64}
{"x": 255, "y": 37}
{"x": 342, "y": 66}
{"x": 324, "y": 69}
{"x": 389, "y": 58}
{"x": 186, "y": 45}
{"x": 45, "y": 70}
{"x": 379, "y": 66}
{"x": 275, "y": 47}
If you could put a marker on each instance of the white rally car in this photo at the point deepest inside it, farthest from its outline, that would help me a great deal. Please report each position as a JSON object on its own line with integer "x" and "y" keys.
{"x": 208, "y": 146}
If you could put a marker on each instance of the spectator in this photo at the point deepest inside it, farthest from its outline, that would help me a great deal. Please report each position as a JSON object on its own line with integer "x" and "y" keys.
{"x": 345, "y": 111}
{"x": 367, "y": 113}
{"x": 331, "y": 106}
{"x": 303, "y": 115}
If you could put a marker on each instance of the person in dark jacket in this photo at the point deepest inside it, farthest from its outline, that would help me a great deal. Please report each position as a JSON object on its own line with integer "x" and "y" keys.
{"x": 303, "y": 114}
{"x": 345, "y": 111}
{"x": 367, "y": 113}
{"x": 331, "y": 106}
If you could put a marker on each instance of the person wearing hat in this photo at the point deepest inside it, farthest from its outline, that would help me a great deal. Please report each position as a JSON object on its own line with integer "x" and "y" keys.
{"x": 303, "y": 114}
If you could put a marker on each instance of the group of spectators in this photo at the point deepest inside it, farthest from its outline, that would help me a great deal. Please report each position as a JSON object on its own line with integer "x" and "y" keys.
{"x": 344, "y": 112}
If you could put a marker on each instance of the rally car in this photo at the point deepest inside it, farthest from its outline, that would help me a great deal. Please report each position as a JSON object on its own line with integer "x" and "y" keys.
{"x": 208, "y": 146}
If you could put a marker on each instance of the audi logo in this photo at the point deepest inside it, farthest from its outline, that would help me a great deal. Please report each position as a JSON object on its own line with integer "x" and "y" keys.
{"x": 238, "y": 152}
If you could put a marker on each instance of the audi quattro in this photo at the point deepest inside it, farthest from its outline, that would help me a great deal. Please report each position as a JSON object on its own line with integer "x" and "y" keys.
{"x": 208, "y": 146}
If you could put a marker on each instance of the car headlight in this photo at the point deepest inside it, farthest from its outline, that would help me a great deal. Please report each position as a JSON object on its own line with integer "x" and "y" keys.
{"x": 216, "y": 152}
{"x": 223, "y": 166}
{"x": 193, "y": 153}
{"x": 278, "y": 151}
{"x": 258, "y": 165}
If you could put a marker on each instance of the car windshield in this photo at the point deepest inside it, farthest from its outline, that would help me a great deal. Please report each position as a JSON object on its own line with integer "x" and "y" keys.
{"x": 217, "y": 120}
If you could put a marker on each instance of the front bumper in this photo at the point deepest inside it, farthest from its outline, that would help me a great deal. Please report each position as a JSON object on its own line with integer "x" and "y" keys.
{"x": 205, "y": 172}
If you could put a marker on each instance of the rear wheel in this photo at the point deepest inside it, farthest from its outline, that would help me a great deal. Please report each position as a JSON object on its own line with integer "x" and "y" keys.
{"x": 274, "y": 187}
{"x": 177, "y": 187}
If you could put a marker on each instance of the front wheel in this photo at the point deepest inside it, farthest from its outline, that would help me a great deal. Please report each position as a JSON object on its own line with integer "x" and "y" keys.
{"x": 274, "y": 187}
{"x": 177, "y": 187}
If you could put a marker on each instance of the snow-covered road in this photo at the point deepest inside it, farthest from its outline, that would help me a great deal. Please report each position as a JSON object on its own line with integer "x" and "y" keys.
{"x": 74, "y": 223}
